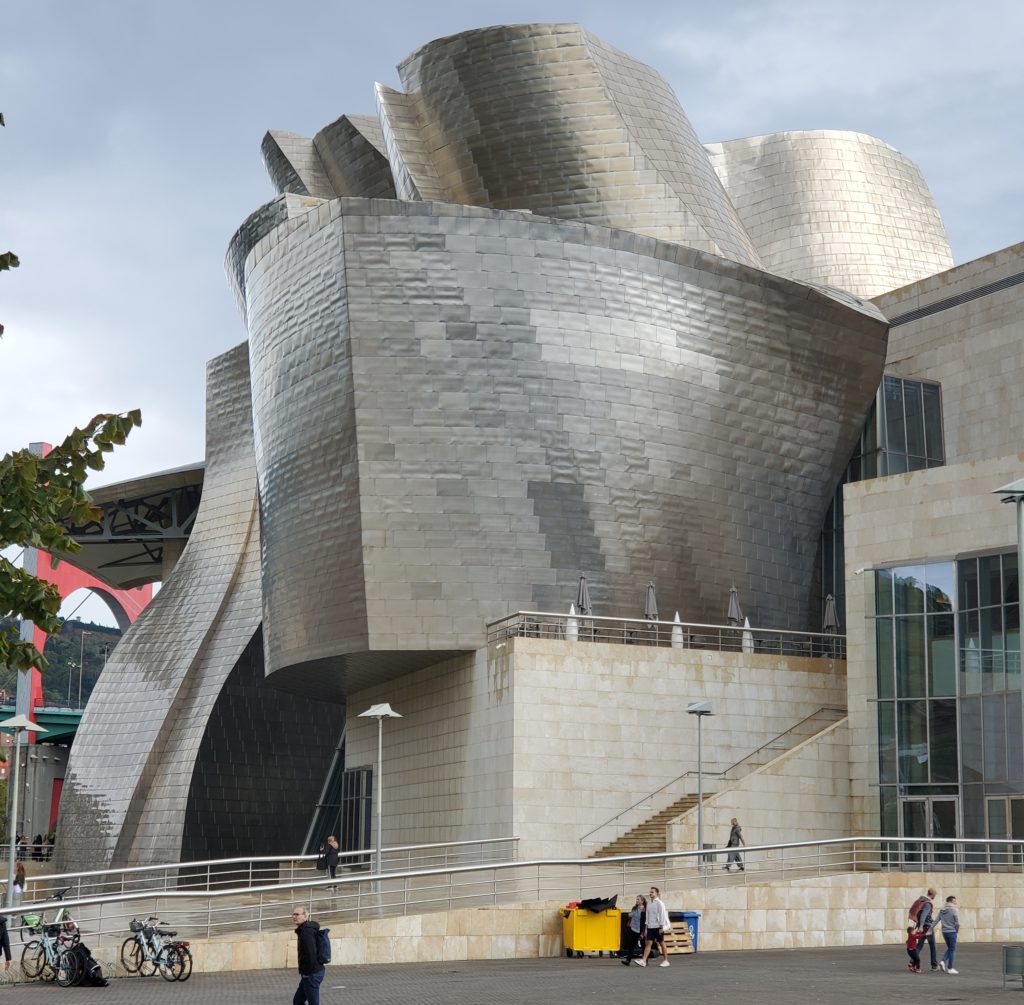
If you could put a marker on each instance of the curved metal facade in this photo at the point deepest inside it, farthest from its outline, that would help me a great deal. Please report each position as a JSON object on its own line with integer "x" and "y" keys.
{"x": 468, "y": 407}
{"x": 838, "y": 208}
{"x": 142, "y": 786}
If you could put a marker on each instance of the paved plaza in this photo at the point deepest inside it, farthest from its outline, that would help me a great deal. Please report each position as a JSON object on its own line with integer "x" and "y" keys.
{"x": 871, "y": 976}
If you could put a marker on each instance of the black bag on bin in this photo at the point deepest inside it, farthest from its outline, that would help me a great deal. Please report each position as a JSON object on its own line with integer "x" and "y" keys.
{"x": 598, "y": 904}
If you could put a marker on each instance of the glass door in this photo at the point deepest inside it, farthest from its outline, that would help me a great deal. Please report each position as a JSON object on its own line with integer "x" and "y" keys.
{"x": 929, "y": 817}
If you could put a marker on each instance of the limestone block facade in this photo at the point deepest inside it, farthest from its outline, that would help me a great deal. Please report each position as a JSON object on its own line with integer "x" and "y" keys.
{"x": 546, "y": 740}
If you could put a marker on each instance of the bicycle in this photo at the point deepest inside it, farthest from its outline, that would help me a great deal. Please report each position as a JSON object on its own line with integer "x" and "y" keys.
{"x": 47, "y": 957}
{"x": 70, "y": 934}
{"x": 145, "y": 952}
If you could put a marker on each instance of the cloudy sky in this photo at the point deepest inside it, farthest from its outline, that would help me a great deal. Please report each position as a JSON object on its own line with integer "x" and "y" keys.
{"x": 131, "y": 153}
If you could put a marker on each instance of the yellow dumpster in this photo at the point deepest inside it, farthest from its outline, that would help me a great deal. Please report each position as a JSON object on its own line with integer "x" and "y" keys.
{"x": 586, "y": 931}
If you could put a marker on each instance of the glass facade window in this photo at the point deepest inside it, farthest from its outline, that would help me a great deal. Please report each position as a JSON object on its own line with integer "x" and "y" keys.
{"x": 950, "y": 708}
{"x": 902, "y": 432}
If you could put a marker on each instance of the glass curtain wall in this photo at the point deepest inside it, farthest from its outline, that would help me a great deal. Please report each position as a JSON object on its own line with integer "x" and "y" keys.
{"x": 947, "y": 639}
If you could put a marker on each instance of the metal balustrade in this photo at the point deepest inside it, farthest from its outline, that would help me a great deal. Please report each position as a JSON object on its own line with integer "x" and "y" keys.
{"x": 666, "y": 634}
{"x": 414, "y": 891}
{"x": 213, "y": 874}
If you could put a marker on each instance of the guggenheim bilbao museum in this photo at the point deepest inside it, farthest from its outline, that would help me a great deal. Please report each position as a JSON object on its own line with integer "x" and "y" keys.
{"x": 522, "y": 341}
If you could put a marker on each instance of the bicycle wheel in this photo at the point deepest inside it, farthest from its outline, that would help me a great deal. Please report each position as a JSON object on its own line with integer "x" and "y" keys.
{"x": 67, "y": 969}
{"x": 147, "y": 964}
{"x": 33, "y": 956}
{"x": 169, "y": 963}
{"x": 186, "y": 963}
{"x": 131, "y": 955}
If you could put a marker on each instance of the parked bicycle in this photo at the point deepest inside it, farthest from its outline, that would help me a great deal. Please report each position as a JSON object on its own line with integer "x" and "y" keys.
{"x": 145, "y": 952}
{"x": 47, "y": 956}
{"x": 69, "y": 933}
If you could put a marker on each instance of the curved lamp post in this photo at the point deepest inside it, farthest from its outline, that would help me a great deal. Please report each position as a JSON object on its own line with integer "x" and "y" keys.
{"x": 380, "y": 713}
{"x": 18, "y": 724}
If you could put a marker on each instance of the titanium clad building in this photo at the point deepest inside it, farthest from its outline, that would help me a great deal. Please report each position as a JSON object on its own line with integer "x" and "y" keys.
{"x": 518, "y": 326}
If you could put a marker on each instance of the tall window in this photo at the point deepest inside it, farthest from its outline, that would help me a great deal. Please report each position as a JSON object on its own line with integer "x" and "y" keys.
{"x": 902, "y": 432}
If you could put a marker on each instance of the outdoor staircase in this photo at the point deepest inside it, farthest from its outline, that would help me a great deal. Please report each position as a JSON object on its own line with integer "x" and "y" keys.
{"x": 649, "y": 837}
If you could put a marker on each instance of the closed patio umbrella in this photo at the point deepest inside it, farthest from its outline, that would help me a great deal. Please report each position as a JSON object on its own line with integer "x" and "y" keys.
{"x": 734, "y": 615}
{"x": 583, "y": 596}
{"x": 830, "y": 622}
{"x": 651, "y": 603}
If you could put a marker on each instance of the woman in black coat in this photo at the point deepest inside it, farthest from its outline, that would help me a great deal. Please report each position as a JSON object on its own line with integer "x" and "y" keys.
{"x": 331, "y": 855}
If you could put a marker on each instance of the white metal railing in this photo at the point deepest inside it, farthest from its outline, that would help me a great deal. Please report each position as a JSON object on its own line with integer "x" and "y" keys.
{"x": 213, "y": 874}
{"x": 680, "y": 787}
{"x": 357, "y": 898}
{"x": 668, "y": 634}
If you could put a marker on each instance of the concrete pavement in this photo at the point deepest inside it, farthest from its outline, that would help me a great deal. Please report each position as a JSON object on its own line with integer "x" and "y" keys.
{"x": 866, "y": 976}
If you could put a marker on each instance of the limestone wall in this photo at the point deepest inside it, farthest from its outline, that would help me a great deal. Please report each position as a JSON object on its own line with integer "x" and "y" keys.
{"x": 802, "y": 795}
{"x": 548, "y": 739}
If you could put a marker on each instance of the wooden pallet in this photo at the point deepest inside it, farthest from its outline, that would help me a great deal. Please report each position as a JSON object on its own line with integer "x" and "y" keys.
{"x": 678, "y": 940}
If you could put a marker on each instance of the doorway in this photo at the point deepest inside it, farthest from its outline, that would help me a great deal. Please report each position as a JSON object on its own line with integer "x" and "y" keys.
{"x": 929, "y": 817}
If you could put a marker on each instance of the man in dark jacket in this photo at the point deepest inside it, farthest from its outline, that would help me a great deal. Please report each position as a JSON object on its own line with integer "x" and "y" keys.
{"x": 311, "y": 970}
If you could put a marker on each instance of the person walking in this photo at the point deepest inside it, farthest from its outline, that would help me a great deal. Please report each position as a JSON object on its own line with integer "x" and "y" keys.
{"x": 657, "y": 920}
{"x": 914, "y": 938}
{"x": 922, "y": 915}
{"x": 735, "y": 841}
{"x": 311, "y": 970}
{"x": 5, "y": 942}
{"x": 635, "y": 929}
{"x": 949, "y": 923}
{"x": 331, "y": 857}
{"x": 19, "y": 883}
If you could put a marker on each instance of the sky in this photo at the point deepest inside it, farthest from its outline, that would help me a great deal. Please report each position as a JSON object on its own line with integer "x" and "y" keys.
{"x": 132, "y": 153}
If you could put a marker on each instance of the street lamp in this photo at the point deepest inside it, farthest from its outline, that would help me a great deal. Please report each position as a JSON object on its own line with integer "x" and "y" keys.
{"x": 18, "y": 724}
{"x": 700, "y": 709}
{"x": 1014, "y": 493}
{"x": 380, "y": 713}
{"x": 81, "y": 664}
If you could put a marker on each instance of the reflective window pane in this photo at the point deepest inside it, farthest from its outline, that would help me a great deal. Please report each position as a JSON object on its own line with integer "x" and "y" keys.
{"x": 990, "y": 589}
{"x": 1011, "y": 591}
{"x": 990, "y": 627}
{"x": 909, "y": 588}
{"x": 933, "y": 421}
{"x": 970, "y": 654}
{"x": 968, "y": 576}
{"x": 914, "y": 412}
{"x": 971, "y": 761}
{"x": 941, "y": 586}
{"x": 912, "y": 741}
{"x": 941, "y": 655}
{"x": 892, "y": 396}
{"x": 942, "y": 741}
{"x": 994, "y": 737}
{"x": 886, "y": 742}
{"x": 883, "y": 591}
{"x": 884, "y": 658}
{"x": 910, "y": 660}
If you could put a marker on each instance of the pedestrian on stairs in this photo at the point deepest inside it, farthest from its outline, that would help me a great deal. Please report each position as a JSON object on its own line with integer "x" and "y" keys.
{"x": 735, "y": 840}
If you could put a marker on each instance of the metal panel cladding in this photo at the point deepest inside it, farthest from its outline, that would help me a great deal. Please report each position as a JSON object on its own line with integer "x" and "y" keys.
{"x": 838, "y": 208}
{"x": 457, "y": 410}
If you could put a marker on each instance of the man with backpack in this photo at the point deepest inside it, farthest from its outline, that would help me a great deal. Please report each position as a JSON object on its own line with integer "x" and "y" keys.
{"x": 312, "y": 957}
{"x": 921, "y": 914}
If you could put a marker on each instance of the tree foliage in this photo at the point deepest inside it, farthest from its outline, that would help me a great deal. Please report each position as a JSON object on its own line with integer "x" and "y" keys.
{"x": 38, "y": 495}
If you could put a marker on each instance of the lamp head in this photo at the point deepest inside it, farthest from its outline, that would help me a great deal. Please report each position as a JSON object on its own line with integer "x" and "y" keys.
{"x": 699, "y": 708}
{"x": 19, "y": 722}
{"x": 381, "y": 711}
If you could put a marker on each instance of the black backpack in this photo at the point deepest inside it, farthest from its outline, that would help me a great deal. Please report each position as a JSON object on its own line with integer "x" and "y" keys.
{"x": 323, "y": 946}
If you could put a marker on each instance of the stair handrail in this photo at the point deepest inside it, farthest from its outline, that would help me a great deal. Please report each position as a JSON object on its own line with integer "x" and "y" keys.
{"x": 692, "y": 771}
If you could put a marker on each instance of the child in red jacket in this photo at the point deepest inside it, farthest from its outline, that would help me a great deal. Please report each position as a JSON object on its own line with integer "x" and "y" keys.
{"x": 914, "y": 939}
